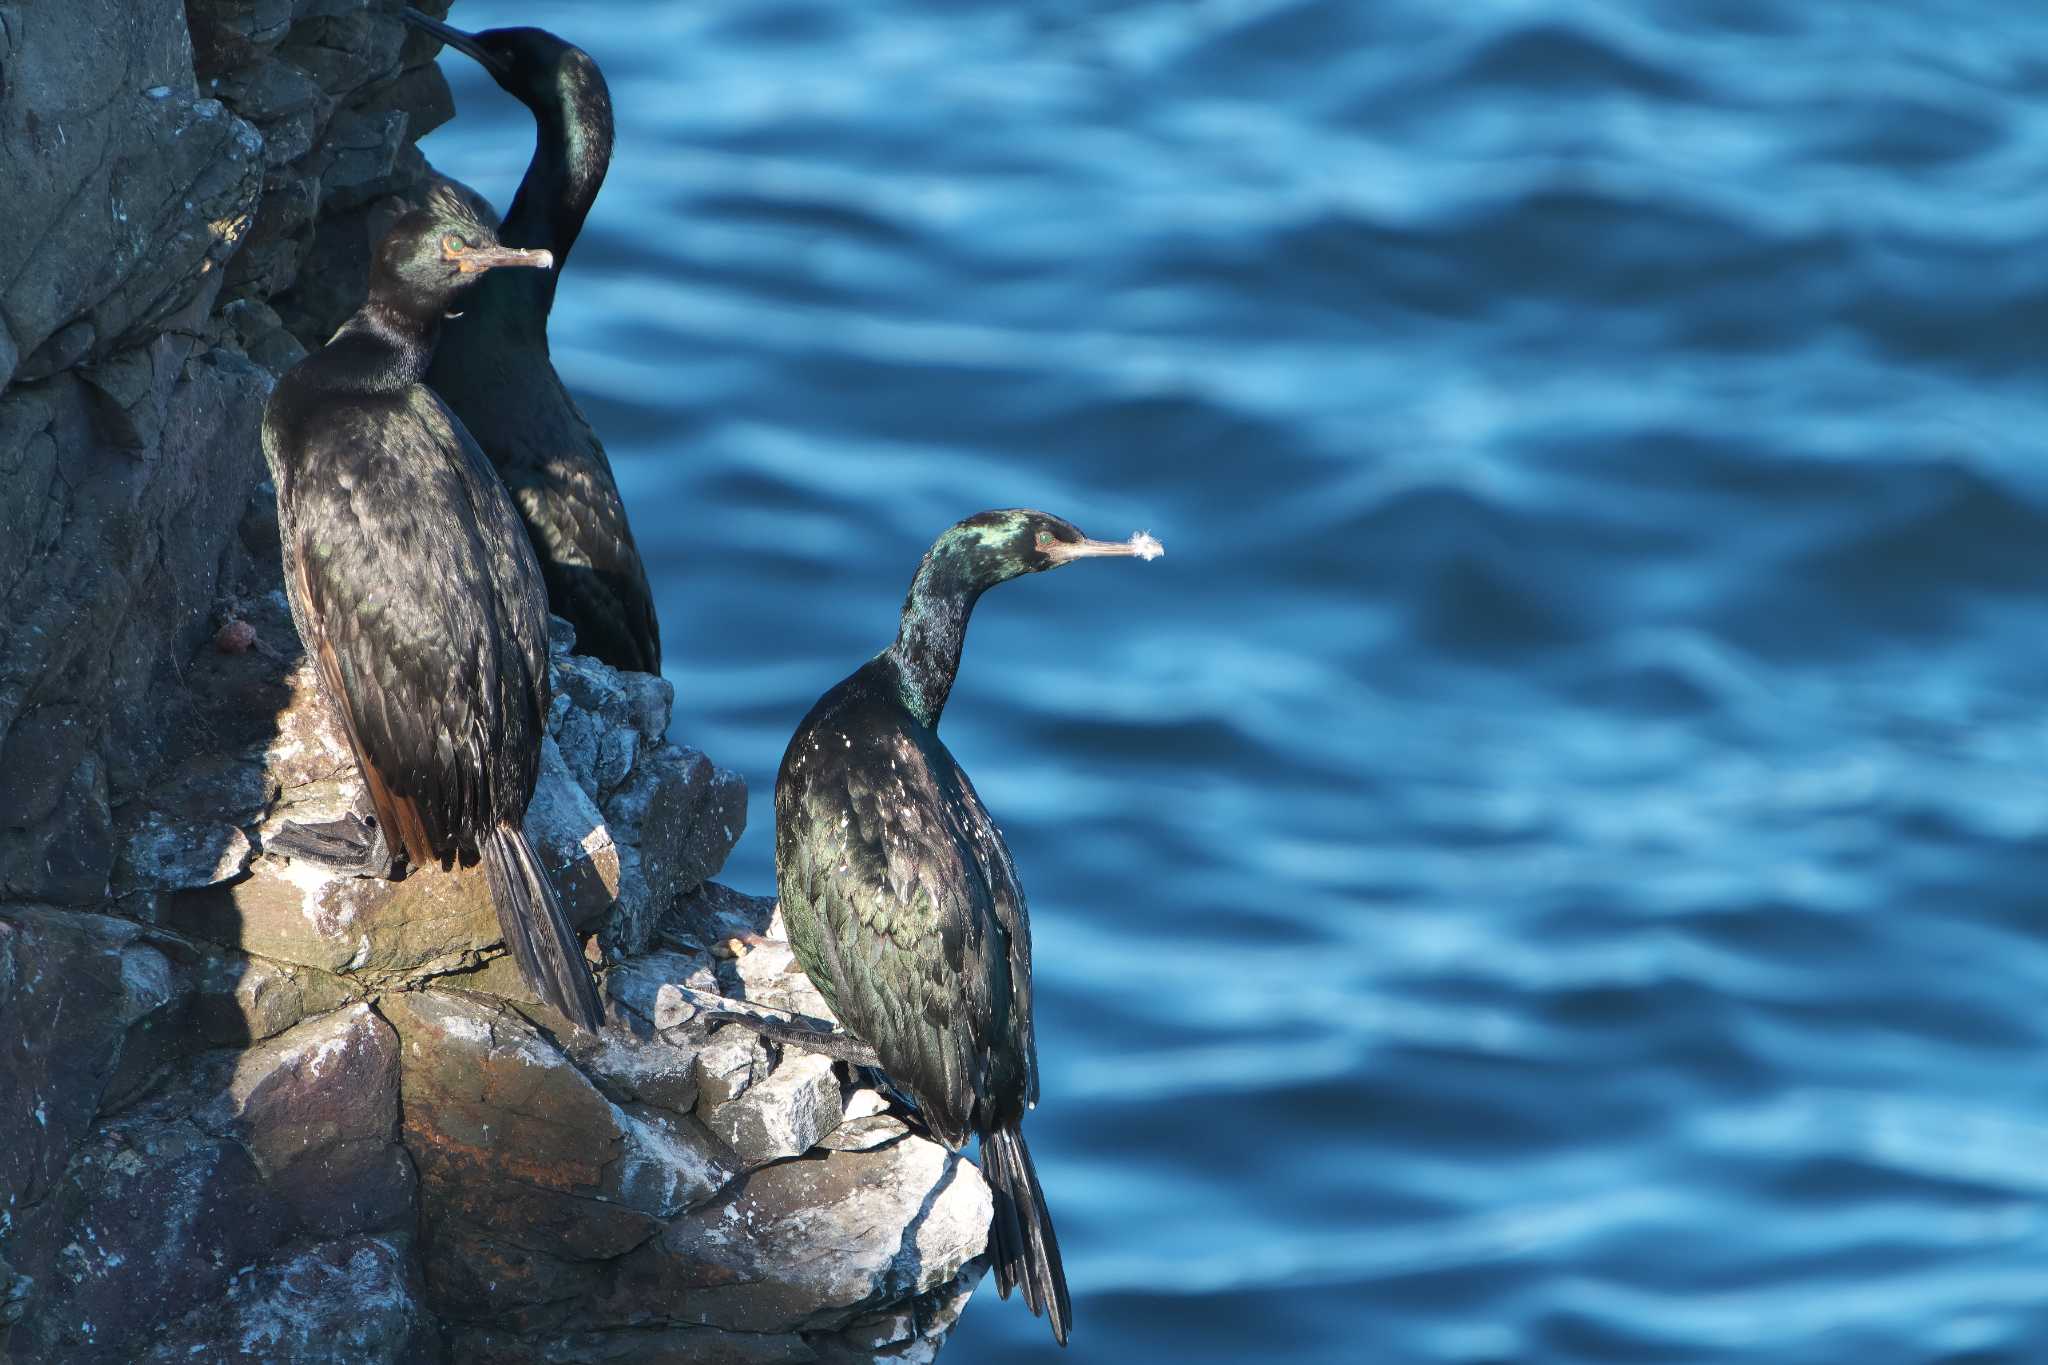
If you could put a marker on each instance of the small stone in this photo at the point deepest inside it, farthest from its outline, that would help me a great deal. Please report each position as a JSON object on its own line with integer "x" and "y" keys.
{"x": 635, "y": 983}
{"x": 784, "y": 1115}
{"x": 234, "y": 637}
{"x": 882, "y": 1329}
{"x": 865, "y": 1102}
{"x": 866, "y": 1134}
{"x": 147, "y": 983}
{"x": 627, "y": 1068}
{"x": 561, "y": 636}
{"x": 770, "y": 975}
{"x": 164, "y": 854}
{"x": 727, "y": 1065}
{"x": 673, "y": 1009}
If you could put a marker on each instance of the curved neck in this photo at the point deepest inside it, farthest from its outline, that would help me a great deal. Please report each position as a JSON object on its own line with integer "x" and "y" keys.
{"x": 384, "y": 346}
{"x": 572, "y": 150}
{"x": 927, "y": 648}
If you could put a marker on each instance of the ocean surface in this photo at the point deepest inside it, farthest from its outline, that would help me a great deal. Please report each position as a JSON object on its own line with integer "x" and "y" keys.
{"x": 1551, "y": 865}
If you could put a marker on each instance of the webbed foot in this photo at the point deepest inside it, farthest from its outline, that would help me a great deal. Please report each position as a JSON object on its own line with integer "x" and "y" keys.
{"x": 352, "y": 844}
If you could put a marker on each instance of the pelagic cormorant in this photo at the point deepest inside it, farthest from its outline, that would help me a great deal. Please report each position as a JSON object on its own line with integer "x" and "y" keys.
{"x": 418, "y": 597}
{"x": 493, "y": 366}
{"x": 899, "y": 893}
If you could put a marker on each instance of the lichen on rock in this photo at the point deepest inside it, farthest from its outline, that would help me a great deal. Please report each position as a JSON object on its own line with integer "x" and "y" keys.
{"x": 252, "y": 1110}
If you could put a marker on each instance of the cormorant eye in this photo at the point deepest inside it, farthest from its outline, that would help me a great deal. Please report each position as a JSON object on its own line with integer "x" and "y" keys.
{"x": 1044, "y": 539}
{"x": 451, "y": 246}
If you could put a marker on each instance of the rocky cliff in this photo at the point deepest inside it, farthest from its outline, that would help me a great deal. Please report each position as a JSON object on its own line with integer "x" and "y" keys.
{"x": 250, "y": 1111}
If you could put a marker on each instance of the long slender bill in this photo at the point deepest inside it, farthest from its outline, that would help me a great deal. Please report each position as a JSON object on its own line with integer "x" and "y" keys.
{"x": 473, "y": 259}
{"x": 454, "y": 37}
{"x": 1141, "y": 544}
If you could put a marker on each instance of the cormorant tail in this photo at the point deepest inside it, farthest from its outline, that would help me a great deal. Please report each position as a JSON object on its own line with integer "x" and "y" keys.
{"x": 536, "y": 931}
{"x": 1022, "y": 1242}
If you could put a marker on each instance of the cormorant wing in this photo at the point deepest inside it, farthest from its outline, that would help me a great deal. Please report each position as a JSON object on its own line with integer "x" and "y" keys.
{"x": 399, "y": 553}
{"x": 556, "y": 469}
{"x": 920, "y": 953}
{"x": 1006, "y": 900}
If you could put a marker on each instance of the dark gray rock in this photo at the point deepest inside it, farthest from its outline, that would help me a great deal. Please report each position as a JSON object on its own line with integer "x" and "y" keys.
{"x": 677, "y": 818}
{"x": 317, "y": 1110}
{"x": 637, "y": 985}
{"x": 87, "y": 682}
{"x": 673, "y": 815}
{"x": 127, "y": 190}
{"x": 627, "y": 1069}
{"x": 338, "y": 1303}
{"x": 528, "y": 1172}
{"x": 150, "y": 1217}
{"x": 239, "y": 999}
{"x": 67, "y": 1008}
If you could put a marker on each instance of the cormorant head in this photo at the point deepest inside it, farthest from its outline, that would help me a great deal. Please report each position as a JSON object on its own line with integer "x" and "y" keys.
{"x": 533, "y": 65}
{"x": 433, "y": 254}
{"x": 993, "y": 547}
{"x": 971, "y": 557}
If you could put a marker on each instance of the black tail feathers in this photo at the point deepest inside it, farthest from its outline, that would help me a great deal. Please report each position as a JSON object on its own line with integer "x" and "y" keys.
{"x": 1023, "y": 1246}
{"x": 536, "y": 931}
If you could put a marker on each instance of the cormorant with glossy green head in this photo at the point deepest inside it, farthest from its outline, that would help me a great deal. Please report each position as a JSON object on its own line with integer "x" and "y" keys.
{"x": 418, "y": 597}
{"x": 493, "y": 366}
{"x": 900, "y": 897}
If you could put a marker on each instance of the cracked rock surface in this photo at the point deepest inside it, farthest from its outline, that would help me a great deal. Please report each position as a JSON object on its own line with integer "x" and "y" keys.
{"x": 251, "y": 1110}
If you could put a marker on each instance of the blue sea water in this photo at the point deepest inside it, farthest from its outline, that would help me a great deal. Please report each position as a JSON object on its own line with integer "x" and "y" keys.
{"x": 1550, "y": 865}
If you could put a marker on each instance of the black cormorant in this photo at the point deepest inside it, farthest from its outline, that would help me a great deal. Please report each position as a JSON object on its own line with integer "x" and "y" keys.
{"x": 418, "y": 597}
{"x": 493, "y": 366}
{"x": 899, "y": 893}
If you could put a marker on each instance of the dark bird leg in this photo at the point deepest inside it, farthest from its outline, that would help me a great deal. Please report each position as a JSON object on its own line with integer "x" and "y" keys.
{"x": 804, "y": 1032}
{"x": 354, "y": 844}
{"x": 812, "y": 1036}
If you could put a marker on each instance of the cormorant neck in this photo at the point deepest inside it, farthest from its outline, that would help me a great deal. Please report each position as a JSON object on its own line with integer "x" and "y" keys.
{"x": 403, "y": 337}
{"x": 572, "y": 150}
{"x": 926, "y": 653}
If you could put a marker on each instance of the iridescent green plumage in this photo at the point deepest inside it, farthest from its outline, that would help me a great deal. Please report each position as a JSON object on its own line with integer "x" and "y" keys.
{"x": 901, "y": 899}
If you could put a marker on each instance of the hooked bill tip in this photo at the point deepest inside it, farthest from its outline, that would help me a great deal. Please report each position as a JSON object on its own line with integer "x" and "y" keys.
{"x": 1145, "y": 546}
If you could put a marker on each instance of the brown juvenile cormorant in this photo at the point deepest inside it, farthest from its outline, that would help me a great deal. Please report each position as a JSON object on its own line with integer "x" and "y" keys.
{"x": 493, "y": 367}
{"x": 899, "y": 893}
{"x": 418, "y": 597}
